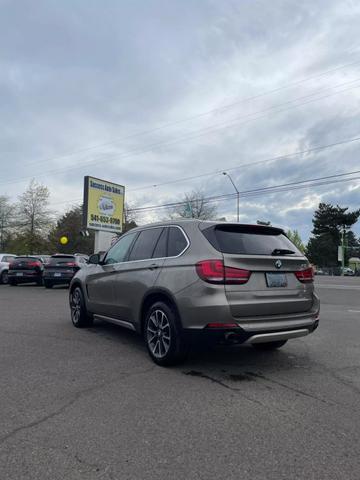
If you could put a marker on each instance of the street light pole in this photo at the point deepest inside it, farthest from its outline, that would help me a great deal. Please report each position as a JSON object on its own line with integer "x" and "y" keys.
{"x": 343, "y": 250}
{"x": 237, "y": 195}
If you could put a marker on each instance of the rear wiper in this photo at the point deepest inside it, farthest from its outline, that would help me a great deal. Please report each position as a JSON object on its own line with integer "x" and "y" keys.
{"x": 282, "y": 251}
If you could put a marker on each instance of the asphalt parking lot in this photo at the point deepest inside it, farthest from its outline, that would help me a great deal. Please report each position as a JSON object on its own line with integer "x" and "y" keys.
{"x": 90, "y": 404}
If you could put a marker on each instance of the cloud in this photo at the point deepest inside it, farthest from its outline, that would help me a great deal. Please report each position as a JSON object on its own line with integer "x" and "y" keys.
{"x": 126, "y": 86}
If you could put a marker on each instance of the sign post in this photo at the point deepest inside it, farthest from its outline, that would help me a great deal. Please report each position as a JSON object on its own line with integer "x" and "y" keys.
{"x": 103, "y": 210}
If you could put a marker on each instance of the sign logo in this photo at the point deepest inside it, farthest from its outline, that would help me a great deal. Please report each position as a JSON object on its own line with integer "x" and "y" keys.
{"x": 278, "y": 264}
{"x": 106, "y": 205}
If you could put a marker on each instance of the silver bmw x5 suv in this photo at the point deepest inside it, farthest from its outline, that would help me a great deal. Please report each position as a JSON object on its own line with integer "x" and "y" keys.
{"x": 182, "y": 281}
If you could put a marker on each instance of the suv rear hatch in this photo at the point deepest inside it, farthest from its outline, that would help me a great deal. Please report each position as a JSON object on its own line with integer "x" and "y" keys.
{"x": 61, "y": 263}
{"x": 279, "y": 279}
{"x": 26, "y": 263}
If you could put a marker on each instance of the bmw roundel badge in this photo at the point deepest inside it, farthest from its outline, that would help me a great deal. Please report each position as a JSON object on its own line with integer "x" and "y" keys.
{"x": 278, "y": 264}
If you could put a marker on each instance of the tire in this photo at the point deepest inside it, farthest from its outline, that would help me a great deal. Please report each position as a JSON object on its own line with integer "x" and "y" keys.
{"x": 79, "y": 315}
{"x": 163, "y": 336}
{"x": 48, "y": 284}
{"x": 4, "y": 279}
{"x": 39, "y": 282}
{"x": 269, "y": 345}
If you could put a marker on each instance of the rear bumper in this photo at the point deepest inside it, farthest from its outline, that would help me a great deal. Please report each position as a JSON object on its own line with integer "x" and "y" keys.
{"x": 58, "y": 280}
{"x": 231, "y": 336}
{"x": 25, "y": 277}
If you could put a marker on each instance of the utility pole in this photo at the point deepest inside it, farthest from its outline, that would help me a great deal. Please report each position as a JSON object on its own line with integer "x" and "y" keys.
{"x": 343, "y": 250}
{"x": 237, "y": 195}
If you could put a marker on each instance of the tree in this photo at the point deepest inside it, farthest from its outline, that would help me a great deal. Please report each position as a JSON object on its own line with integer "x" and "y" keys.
{"x": 6, "y": 210}
{"x": 294, "y": 236}
{"x": 194, "y": 205}
{"x": 70, "y": 225}
{"x": 34, "y": 218}
{"x": 129, "y": 218}
{"x": 329, "y": 221}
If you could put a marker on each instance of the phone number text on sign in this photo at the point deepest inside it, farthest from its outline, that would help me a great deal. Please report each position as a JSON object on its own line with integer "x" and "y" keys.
{"x": 105, "y": 219}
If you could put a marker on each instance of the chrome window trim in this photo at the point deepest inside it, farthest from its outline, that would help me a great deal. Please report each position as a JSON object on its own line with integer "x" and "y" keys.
{"x": 159, "y": 258}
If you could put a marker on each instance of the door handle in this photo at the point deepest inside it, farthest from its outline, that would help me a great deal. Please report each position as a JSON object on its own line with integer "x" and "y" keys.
{"x": 153, "y": 266}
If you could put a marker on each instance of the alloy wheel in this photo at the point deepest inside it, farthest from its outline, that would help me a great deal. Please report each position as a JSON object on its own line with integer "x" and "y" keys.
{"x": 75, "y": 306}
{"x": 158, "y": 333}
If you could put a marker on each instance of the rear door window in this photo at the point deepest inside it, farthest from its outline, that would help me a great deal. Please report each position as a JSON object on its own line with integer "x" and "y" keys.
{"x": 145, "y": 244}
{"x": 177, "y": 242}
{"x": 249, "y": 240}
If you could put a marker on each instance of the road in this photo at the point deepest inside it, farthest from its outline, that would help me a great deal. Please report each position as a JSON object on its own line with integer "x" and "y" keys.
{"x": 89, "y": 404}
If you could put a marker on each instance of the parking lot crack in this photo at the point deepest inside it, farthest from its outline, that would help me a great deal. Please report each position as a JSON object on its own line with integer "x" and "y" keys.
{"x": 289, "y": 387}
{"x": 63, "y": 408}
{"x": 51, "y": 415}
{"x": 195, "y": 373}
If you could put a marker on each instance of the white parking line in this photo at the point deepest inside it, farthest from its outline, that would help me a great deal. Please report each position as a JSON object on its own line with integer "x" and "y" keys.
{"x": 354, "y": 311}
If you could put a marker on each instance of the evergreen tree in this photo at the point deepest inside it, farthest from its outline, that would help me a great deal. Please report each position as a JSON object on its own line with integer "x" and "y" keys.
{"x": 329, "y": 221}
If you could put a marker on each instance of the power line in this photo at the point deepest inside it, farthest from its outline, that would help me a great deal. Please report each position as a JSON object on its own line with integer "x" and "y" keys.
{"x": 243, "y": 165}
{"x": 199, "y": 115}
{"x": 196, "y": 134}
{"x": 263, "y": 190}
{"x": 250, "y": 164}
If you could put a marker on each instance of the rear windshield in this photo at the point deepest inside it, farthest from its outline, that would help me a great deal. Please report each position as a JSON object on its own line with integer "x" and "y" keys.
{"x": 27, "y": 258}
{"x": 60, "y": 260}
{"x": 250, "y": 240}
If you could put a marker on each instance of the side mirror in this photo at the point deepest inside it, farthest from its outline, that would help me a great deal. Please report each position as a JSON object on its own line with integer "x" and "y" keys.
{"x": 94, "y": 259}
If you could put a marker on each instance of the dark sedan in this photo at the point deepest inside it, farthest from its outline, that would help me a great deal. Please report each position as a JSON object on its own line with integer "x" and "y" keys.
{"x": 60, "y": 269}
{"x": 26, "y": 269}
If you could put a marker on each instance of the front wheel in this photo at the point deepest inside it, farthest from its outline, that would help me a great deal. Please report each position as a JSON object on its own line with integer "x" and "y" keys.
{"x": 268, "y": 346}
{"x": 79, "y": 315}
{"x": 163, "y": 336}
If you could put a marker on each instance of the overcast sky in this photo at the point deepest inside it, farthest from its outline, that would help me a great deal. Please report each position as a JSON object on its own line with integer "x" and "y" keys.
{"x": 146, "y": 92}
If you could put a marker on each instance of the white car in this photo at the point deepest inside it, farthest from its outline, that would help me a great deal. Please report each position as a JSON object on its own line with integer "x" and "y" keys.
{"x": 348, "y": 272}
{"x": 5, "y": 258}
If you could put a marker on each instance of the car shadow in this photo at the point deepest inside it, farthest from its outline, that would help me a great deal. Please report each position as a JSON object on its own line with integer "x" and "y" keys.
{"x": 234, "y": 362}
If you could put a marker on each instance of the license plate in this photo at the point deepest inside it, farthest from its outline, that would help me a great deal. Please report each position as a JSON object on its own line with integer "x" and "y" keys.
{"x": 19, "y": 274}
{"x": 276, "y": 280}
{"x": 57, "y": 274}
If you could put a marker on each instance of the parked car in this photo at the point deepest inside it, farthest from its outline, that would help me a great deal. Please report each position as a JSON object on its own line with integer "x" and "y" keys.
{"x": 348, "y": 272}
{"x": 61, "y": 268}
{"x": 205, "y": 281}
{"x": 26, "y": 269}
{"x": 5, "y": 259}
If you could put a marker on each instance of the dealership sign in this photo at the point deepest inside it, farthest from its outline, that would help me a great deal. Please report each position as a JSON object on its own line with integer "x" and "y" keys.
{"x": 103, "y": 205}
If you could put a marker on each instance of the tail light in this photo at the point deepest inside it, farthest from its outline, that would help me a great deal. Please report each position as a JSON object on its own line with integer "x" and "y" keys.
{"x": 34, "y": 264}
{"x": 305, "y": 276}
{"x": 214, "y": 271}
{"x": 70, "y": 264}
